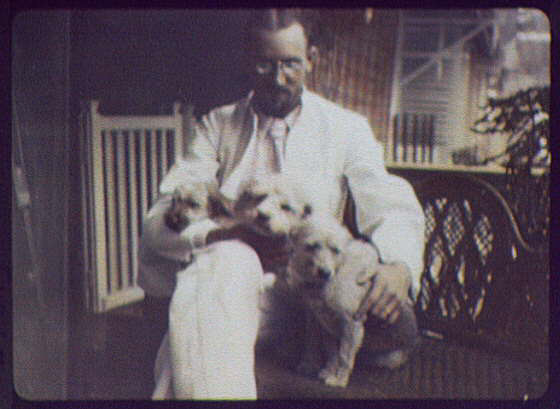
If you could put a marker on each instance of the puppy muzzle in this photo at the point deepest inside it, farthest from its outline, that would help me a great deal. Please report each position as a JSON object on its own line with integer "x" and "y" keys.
{"x": 177, "y": 221}
{"x": 317, "y": 279}
{"x": 324, "y": 274}
{"x": 262, "y": 219}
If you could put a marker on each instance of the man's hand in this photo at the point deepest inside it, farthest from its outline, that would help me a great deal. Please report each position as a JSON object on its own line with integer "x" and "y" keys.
{"x": 388, "y": 293}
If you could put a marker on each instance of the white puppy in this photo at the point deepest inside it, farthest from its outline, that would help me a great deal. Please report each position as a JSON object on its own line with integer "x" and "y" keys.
{"x": 193, "y": 202}
{"x": 331, "y": 271}
{"x": 273, "y": 206}
{"x": 195, "y": 195}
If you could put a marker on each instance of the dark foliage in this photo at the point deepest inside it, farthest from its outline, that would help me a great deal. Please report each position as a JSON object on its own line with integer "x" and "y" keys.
{"x": 524, "y": 118}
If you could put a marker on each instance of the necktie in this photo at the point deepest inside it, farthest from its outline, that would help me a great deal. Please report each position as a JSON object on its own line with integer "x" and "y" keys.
{"x": 277, "y": 131}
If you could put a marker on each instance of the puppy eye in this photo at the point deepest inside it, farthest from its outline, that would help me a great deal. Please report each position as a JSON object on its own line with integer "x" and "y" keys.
{"x": 311, "y": 247}
{"x": 335, "y": 250}
{"x": 286, "y": 207}
{"x": 260, "y": 198}
{"x": 256, "y": 198}
{"x": 192, "y": 204}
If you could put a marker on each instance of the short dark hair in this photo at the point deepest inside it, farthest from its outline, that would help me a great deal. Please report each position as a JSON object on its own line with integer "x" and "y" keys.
{"x": 277, "y": 19}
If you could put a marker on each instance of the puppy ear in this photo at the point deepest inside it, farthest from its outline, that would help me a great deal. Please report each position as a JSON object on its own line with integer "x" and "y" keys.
{"x": 219, "y": 205}
{"x": 243, "y": 201}
{"x": 307, "y": 210}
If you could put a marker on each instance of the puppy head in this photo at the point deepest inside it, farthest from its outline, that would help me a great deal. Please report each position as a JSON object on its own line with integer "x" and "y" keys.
{"x": 272, "y": 206}
{"x": 193, "y": 202}
{"x": 318, "y": 255}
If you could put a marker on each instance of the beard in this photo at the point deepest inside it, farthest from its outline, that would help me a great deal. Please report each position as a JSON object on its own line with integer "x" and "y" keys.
{"x": 276, "y": 102}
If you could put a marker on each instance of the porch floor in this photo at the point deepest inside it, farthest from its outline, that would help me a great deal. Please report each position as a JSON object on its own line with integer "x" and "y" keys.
{"x": 439, "y": 370}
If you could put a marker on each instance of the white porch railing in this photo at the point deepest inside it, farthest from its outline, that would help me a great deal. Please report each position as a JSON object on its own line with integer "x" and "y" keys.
{"x": 124, "y": 159}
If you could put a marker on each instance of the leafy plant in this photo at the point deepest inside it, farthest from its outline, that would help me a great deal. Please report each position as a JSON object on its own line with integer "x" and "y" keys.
{"x": 524, "y": 118}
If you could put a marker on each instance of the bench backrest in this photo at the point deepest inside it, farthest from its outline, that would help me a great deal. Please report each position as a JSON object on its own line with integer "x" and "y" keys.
{"x": 482, "y": 282}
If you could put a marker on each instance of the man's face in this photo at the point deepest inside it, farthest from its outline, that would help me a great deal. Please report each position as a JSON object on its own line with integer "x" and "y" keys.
{"x": 279, "y": 62}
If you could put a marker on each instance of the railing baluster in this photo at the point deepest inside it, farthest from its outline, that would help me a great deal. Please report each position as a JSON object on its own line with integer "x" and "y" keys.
{"x": 144, "y": 174}
{"x": 415, "y": 138}
{"x": 424, "y": 137}
{"x": 396, "y": 131}
{"x": 149, "y": 168}
{"x": 154, "y": 169}
{"x": 132, "y": 207}
{"x": 431, "y": 138}
{"x": 170, "y": 144}
{"x": 122, "y": 214}
{"x": 111, "y": 211}
{"x": 161, "y": 157}
{"x": 100, "y": 208}
{"x": 404, "y": 137}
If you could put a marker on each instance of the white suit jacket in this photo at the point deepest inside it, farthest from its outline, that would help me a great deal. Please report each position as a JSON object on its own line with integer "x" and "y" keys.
{"x": 329, "y": 151}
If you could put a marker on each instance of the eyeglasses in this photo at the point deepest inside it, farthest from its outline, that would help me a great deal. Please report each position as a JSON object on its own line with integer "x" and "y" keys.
{"x": 289, "y": 66}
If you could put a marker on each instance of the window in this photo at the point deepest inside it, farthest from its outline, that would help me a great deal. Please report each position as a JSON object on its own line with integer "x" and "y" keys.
{"x": 433, "y": 74}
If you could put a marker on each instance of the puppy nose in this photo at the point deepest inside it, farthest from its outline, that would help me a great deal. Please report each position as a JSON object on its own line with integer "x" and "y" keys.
{"x": 262, "y": 218}
{"x": 324, "y": 274}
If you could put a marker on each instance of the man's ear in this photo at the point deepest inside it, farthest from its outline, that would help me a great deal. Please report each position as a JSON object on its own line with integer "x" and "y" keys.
{"x": 312, "y": 57}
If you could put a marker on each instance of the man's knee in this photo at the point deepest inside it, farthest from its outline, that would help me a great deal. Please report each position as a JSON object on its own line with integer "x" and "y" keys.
{"x": 229, "y": 248}
{"x": 235, "y": 258}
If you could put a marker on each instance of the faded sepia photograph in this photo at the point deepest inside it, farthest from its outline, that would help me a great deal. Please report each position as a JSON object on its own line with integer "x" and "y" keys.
{"x": 292, "y": 203}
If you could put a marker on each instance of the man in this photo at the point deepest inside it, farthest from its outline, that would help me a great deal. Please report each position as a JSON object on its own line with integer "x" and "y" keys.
{"x": 278, "y": 127}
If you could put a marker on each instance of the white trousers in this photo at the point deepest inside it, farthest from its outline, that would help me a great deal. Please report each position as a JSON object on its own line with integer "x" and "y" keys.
{"x": 208, "y": 351}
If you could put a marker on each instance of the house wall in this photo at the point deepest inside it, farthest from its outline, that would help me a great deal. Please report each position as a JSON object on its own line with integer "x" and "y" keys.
{"x": 356, "y": 70}
{"x": 141, "y": 61}
{"x": 40, "y": 114}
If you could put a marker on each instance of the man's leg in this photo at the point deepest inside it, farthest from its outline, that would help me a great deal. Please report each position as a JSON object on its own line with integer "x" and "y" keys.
{"x": 391, "y": 345}
{"x": 213, "y": 322}
{"x": 163, "y": 388}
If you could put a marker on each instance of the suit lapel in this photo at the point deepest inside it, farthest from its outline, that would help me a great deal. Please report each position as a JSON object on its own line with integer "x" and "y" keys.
{"x": 304, "y": 148}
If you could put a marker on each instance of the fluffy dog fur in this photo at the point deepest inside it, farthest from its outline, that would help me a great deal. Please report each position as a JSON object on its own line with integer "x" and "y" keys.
{"x": 332, "y": 272}
{"x": 272, "y": 206}
{"x": 193, "y": 202}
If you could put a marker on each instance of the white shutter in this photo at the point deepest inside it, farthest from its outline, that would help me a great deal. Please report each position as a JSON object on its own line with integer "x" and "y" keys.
{"x": 124, "y": 160}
